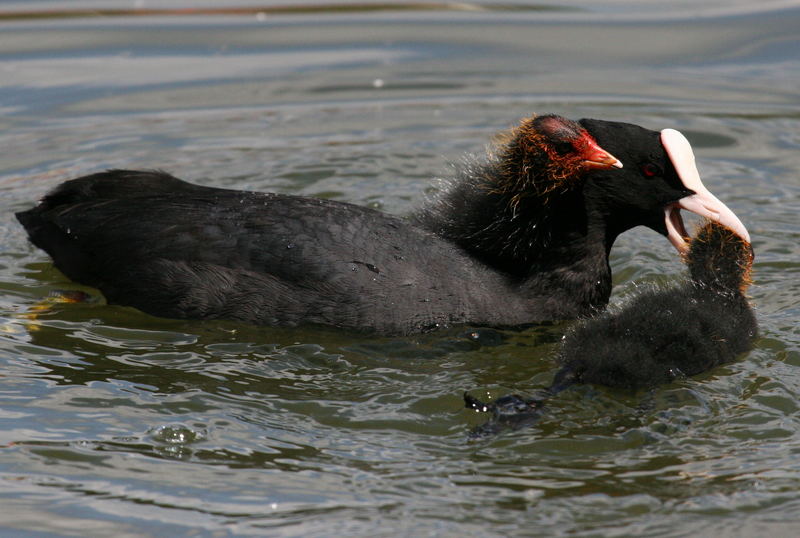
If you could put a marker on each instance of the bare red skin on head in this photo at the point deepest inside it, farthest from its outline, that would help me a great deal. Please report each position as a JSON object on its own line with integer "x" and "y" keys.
{"x": 586, "y": 151}
{"x": 593, "y": 155}
{"x": 544, "y": 155}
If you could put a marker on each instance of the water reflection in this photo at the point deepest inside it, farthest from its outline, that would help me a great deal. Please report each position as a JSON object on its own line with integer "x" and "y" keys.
{"x": 113, "y": 420}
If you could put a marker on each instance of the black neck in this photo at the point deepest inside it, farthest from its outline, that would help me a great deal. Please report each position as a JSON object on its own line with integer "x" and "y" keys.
{"x": 553, "y": 246}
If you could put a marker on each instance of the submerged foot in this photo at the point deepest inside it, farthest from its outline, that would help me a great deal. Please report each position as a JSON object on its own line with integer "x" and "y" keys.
{"x": 509, "y": 412}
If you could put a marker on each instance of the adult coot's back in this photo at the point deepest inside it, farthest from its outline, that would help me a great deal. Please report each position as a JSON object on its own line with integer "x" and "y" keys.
{"x": 521, "y": 238}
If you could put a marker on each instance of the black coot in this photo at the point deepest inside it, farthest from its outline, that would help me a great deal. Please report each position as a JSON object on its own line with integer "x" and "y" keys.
{"x": 521, "y": 238}
{"x": 661, "y": 335}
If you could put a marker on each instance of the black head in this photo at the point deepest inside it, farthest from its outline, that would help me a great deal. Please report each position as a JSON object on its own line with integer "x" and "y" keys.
{"x": 719, "y": 258}
{"x": 550, "y": 182}
{"x": 658, "y": 178}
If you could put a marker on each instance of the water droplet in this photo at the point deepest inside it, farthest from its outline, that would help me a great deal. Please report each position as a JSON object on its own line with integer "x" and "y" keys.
{"x": 177, "y": 434}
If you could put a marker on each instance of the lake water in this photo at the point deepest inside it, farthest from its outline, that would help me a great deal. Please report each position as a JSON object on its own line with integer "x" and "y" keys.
{"x": 115, "y": 423}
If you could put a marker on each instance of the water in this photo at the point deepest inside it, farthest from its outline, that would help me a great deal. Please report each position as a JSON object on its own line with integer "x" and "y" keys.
{"x": 114, "y": 422}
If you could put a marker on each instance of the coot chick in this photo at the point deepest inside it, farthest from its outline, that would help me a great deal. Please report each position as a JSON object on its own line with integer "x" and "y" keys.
{"x": 661, "y": 335}
{"x": 521, "y": 238}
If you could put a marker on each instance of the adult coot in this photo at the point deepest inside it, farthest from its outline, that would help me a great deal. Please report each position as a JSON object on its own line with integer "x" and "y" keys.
{"x": 521, "y": 238}
{"x": 661, "y": 335}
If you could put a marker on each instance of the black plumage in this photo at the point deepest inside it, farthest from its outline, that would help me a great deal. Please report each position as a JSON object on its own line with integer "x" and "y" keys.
{"x": 519, "y": 239}
{"x": 659, "y": 336}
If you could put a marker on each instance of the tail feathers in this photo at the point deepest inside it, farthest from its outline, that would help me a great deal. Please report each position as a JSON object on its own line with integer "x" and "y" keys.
{"x": 48, "y": 236}
{"x": 44, "y": 222}
{"x": 111, "y": 184}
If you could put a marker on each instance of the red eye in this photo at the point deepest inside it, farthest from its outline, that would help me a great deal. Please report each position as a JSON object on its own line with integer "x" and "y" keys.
{"x": 650, "y": 170}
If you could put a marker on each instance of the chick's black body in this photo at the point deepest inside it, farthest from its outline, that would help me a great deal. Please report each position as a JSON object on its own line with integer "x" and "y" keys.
{"x": 667, "y": 333}
{"x": 520, "y": 239}
{"x": 661, "y": 335}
